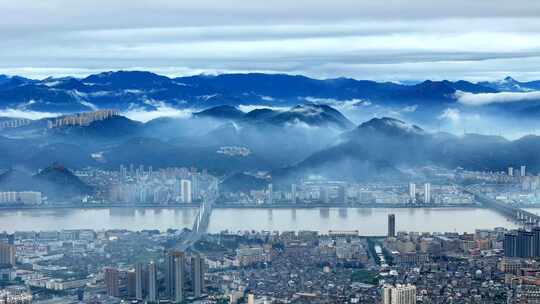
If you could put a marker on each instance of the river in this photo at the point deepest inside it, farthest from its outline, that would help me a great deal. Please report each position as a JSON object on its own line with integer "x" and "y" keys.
{"x": 369, "y": 221}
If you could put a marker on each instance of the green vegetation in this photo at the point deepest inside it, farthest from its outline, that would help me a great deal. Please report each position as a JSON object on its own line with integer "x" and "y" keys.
{"x": 365, "y": 276}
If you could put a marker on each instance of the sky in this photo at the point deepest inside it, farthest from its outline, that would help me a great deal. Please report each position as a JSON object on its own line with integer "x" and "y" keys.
{"x": 391, "y": 40}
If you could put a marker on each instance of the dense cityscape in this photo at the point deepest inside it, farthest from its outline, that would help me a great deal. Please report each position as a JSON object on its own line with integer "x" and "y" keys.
{"x": 269, "y": 152}
{"x": 337, "y": 266}
{"x": 68, "y": 266}
{"x": 142, "y": 186}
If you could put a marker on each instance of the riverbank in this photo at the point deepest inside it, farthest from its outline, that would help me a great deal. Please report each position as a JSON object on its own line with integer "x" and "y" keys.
{"x": 233, "y": 206}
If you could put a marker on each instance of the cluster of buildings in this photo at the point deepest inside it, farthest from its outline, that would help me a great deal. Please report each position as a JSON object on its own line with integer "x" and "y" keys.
{"x": 322, "y": 192}
{"x": 15, "y": 295}
{"x": 522, "y": 243}
{"x": 399, "y": 294}
{"x": 267, "y": 267}
{"x": 182, "y": 277}
{"x": 14, "y": 123}
{"x": 81, "y": 119}
{"x": 234, "y": 151}
{"x": 492, "y": 176}
{"x": 140, "y": 185}
{"x": 20, "y": 198}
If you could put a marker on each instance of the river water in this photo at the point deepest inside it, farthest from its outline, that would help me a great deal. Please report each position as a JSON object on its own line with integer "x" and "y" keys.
{"x": 369, "y": 221}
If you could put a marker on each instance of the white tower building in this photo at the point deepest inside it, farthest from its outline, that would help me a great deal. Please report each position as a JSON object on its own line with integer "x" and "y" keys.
{"x": 427, "y": 193}
{"x": 185, "y": 191}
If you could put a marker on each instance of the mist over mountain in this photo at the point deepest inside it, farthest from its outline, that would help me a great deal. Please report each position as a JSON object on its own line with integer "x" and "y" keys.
{"x": 378, "y": 148}
{"x": 55, "y": 181}
{"x": 288, "y": 126}
{"x": 129, "y": 90}
{"x": 308, "y": 114}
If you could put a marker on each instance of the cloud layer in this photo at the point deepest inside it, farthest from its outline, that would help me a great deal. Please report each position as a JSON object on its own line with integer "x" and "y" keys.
{"x": 481, "y": 99}
{"x": 380, "y": 40}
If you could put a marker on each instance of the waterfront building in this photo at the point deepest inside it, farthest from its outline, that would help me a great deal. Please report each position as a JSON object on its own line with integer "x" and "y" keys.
{"x": 427, "y": 193}
{"x": 391, "y": 225}
{"x": 524, "y": 244}
{"x": 412, "y": 192}
{"x": 186, "y": 191}
{"x": 510, "y": 245}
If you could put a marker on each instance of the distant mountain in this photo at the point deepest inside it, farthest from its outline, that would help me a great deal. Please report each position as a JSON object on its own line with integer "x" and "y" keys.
{"x": 221, "y": 112}
{"x": 509, "y": 84}
{"x": 17, "y": 180}
{"x": 159, "y": 154}
{"x": 55, "y": 181}
{"x": 379, "y": 147}
{"x": 243, "y": 182}
{"x": 124, "y": 90}
{"x": 312, "y": 115}
{"x": 111, "y": 127}
{"x": 309, "y": 114}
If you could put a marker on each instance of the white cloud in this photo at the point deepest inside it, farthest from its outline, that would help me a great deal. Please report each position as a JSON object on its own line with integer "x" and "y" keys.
{"x": 396, "y": 40}
{"x": 249, "y": 108}
{"x": 162, "y": 111}
{"x": 480, "y": 99}
{"x": 409, "y": 109}
{"x": 453, "y": 115}
{"x": 15, "y": 113}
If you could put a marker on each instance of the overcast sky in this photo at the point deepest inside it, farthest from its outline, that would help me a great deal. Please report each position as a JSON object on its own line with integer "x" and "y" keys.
{"x": 382, "y": 40}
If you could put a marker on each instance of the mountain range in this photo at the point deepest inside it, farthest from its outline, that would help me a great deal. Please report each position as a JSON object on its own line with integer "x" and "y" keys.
{"x": 128, "y": 90}
{"x": 288, "y": 126}
{"x": 304, "y": 140}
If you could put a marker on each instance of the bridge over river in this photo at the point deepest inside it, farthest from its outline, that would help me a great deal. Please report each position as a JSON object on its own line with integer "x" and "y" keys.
{"x": 519, "y": 215}
{"x": 200, "y": 226}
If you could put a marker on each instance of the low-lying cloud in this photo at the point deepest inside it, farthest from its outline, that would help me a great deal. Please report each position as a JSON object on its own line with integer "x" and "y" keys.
{"x": 453, "y": 115}
{"x": 33, "y": 115}
{"x": 481, "y": 99}
{"x": 143, "y": 115}
{"x": 249, "y": 108}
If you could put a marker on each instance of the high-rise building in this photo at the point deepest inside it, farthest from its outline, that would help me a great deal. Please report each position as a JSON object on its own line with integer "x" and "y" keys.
{"x": 270, "y": 194}
{"x": 131, "y": 284}
{"x": 174, "y": 274}
{"x": 251, "y": 299}
{"x": 427, "y": 193}
{"x": 152, "y": 282}
{"x": 510, "y": 171}
{"x": 111, "y": 282}
{"x": 185, "y": 191}
{"x": 524, "y": 244}
{"x": 391, "y": 225}
{"x": 536, "y": 241}
{"x": 522, "y": 171}
{"x": 293, "y": 193}
{"x": 139, "y": 281}
{"x": 179, "y": 279}
{"x": 412, "y": 192}
{"x": 400, "y": 294}
{"x": 510, "y": 245}
{"x": 197, "y": 266}
{"x": 7, "y": 254}
{"x": 195, "y": 185}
